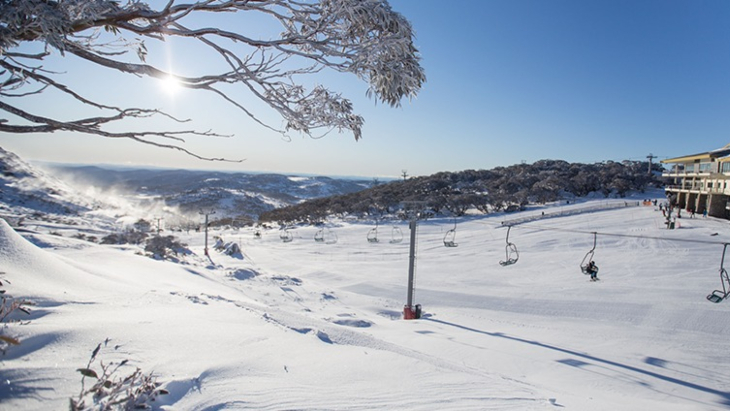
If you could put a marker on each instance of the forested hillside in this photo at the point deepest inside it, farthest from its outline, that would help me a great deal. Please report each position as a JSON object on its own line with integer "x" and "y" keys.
{"x": 501, "y": 188}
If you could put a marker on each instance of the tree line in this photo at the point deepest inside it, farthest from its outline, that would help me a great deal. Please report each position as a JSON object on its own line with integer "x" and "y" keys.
{"x": 499, "y": 189}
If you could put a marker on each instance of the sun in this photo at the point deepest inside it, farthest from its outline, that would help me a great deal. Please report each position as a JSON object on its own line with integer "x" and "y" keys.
{"x": 170, "y": 84}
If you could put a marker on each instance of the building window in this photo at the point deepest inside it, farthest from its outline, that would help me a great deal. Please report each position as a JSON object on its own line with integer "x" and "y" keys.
{"x": 705, "y": 167}
{"x": 726, "y": 167}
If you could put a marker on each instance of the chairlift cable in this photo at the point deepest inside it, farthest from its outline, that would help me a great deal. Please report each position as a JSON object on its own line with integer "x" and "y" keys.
{"x": 686, "y": 240}
{"x": 568, "y": 230}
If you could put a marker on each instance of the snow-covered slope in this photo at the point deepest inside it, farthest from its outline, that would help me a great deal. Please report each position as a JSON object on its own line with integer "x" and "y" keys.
{"x": 307, "y": 325}
{"x": 25, "y": 190}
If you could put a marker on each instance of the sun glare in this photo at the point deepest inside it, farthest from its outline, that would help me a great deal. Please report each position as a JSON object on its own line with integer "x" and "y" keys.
{"x": 170, "y": 85}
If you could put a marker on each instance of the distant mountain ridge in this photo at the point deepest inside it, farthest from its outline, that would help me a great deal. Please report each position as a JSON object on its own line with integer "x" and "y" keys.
{"x": 229, "y": 194}
{"x": 179, "y": 196}
{"x": 24, "y": 190}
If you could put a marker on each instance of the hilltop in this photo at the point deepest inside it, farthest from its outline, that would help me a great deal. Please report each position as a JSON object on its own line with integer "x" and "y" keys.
{"x": 499, "y": 189}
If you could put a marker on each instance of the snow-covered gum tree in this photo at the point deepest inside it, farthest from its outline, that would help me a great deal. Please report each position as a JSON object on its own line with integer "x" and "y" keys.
{"x": 362, "y": 37}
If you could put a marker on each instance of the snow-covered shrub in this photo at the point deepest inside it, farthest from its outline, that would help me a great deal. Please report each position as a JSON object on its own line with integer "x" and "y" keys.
{"x": 82, "y": 236}
{"x": 8, "y": 306}
{"x": 129, "y": 237}
{"x": 143, "y": 225}
{"x": 162, "y": 247}
{"x": 112, "y": 391}
{"x": 228, "y": 248}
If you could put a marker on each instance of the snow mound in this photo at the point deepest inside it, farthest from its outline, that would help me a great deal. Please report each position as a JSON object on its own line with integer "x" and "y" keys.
{"x": 36, "y": 274}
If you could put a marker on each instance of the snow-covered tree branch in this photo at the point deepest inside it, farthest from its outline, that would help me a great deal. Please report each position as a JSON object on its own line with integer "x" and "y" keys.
{"x": 363, "y": 37}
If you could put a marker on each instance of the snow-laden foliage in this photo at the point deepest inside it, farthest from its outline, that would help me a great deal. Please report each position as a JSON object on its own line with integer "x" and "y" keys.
{"x": 362, "y": 37}
{"x": 228, "y": 248}
{"x": 110, "y": 390}
{"x": 164, "y": 247}
{"x": 502, "y": 188}
{"x": 9, "y": 305}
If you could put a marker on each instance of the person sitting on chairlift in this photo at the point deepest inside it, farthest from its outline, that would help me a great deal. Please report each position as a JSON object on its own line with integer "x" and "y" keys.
{"x": 592, "y": 269}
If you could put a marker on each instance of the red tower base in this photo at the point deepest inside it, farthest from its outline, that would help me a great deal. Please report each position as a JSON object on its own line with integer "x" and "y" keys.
{"x": 412, "y": 313}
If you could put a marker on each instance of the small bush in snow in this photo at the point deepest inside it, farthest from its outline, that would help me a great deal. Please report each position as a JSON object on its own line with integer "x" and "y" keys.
{"x": 228, "y": 248}
{"x": 162, "y": 247}
{"x": 8, "y": 306}
{"x": 129, "y": 237}
{"x": 112, "y": 391}
{"x": 143, "y": 226}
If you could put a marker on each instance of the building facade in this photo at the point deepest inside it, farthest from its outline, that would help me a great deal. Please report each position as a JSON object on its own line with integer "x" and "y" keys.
{"x": 699, "y": 182}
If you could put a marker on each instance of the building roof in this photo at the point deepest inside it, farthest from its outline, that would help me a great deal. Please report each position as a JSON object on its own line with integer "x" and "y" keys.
{"x": 720, "y": 152}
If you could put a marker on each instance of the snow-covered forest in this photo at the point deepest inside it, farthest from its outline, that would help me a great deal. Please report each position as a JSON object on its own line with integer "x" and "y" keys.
{"x": 499, "y": 189}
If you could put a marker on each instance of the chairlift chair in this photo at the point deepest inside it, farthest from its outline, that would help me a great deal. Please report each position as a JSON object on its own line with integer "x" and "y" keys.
{"x": 319, "y": 235}
{"x": 373, "y": 234}
{"x": 510, "y": 251}
{"x": 450, "y": 237}
{"x": 589, "y": 257}
{"x": 286, "y": 236}
{"x": 396, "y": 235}
{"x": 717, "y": 295}
{"x": 326, "y": 236}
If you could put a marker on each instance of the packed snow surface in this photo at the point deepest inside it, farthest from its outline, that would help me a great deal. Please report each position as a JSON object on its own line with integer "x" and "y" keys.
{"x": 313, "y": 326}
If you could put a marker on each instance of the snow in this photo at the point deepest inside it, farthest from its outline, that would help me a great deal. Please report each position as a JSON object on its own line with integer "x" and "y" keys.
{"x": 307, "y": 325}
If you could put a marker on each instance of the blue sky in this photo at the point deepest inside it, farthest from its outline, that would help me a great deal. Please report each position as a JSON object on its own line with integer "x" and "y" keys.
{"x": 507, "y": 81}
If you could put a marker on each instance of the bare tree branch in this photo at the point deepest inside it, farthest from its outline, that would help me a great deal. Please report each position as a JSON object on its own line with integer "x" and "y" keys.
{"x": 362, "y": 37}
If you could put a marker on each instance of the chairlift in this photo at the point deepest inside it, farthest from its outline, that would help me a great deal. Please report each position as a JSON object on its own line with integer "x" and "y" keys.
{"x": 511, "y": 255}
{"x": 589, "y": 257}
{"x": 396, "y": 235}
{"x": 325, "y": 235}
{"x": 450, "y": 237}
{"x": 286, "y": 236}
{"x": 373, "y": 234}
{"x": 717, "y": 295}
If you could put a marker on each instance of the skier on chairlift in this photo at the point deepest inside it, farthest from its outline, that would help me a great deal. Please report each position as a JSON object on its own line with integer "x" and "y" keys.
{"x": 592, "y": 269}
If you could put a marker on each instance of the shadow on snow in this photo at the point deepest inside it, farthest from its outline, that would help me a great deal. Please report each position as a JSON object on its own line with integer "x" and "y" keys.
{"x": 724, "y": 395}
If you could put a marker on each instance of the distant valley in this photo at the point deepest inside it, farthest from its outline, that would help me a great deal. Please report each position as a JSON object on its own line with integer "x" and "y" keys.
{"x": 62, "y": 192}
{"x": 230, "y": 195}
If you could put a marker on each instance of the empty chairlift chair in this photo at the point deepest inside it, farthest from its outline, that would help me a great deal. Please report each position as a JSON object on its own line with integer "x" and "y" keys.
{"x": 720, "y": 295}
{"x": 511, "y": 255}
{"x": 450, "y": 237}
{"x": 396, "y": 235}
{"x": 326, "y": 236}
{"x": 373, "y": 234}
{"x": 319, "y": 236}
{"x": 286, "y": 236}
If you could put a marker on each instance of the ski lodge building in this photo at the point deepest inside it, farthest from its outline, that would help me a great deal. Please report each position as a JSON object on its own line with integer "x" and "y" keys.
{"x": 699, "y": 182}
